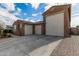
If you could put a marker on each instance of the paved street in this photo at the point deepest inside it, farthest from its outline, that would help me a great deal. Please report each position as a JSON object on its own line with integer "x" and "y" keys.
{"x": 67, "y": 47}
{"x": 30, "y": 45}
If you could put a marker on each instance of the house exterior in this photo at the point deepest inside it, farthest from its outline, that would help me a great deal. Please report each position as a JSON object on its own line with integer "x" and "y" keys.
{"x": 57, "y": 20}
{"x": 17, "y": 27}
{"x": 20, "y": 27}
{"x": 27, "y": 28}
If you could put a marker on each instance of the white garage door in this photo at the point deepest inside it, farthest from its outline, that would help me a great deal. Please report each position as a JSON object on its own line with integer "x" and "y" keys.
{"x": 38, "y": 29}
{"x": 55, "y": 25}
{"x": 28, "y": 29}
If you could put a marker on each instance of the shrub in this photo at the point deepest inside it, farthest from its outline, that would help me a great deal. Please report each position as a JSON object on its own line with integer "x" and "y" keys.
{"x": 0, "y": 32}
{"x": 10, "y": 31}
{"x": 5, "y": 33}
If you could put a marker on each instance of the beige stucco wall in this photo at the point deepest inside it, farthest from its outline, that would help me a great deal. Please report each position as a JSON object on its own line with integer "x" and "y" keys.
{"x": 28, "y": 29}
{"x": 38, "y": 29}
{"x": 55, "y": 25}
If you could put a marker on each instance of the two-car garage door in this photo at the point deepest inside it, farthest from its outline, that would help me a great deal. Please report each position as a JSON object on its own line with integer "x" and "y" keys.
{"x": 29, "y": 29}
{"x": 55, "y": 25}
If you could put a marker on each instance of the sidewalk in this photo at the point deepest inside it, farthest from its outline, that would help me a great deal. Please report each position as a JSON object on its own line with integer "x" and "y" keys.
{"x": 45, "y": 50}
{"x": 68, "y": 47}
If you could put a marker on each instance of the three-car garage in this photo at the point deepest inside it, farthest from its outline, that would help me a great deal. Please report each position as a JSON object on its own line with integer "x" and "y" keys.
{"x": 56, "y": 22}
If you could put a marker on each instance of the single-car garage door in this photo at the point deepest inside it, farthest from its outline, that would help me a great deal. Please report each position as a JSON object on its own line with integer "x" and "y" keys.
{"x": 38, "y": 29}
{"x": 28, "y": 29}
{"x": 55, "y": 25}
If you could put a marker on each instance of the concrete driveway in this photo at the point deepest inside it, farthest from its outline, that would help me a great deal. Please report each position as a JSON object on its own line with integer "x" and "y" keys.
{"x": 31, "y": 45}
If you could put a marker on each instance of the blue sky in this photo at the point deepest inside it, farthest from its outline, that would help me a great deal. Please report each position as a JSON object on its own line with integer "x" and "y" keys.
{"x": 10, "y": 12}
{"x": 32, "y": 12}
{"x": 75, "y": 15}
{"x": 26, "y": 11}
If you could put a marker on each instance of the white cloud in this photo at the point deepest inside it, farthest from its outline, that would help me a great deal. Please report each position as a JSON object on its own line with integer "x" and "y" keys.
{"x": 26, "y": 4}
{"x": 26, "y": 19}
{"x": 9, "y": 6}
{"x": 38, "y": 20}
{"x": 16, "y": 13}
{"x": 32, "y": 20}
{"x": 76, "y": 14}
{"x": 18, "y": 18}
{"x": 52, "y": 4}
{"x": 7, "y": 17}
{"x": 40, "y": 12}
{"x": 35, "y": 5}
{"x": 6, "y": 1}
{"x": 34, "y": 14}
{"x": 18, "y": 10}
{"x": 25, "y": 13}
{"x": 2, "y": 23}
{"x": 74, "y": 4}
{"x": 49, "y": 5}
{"x": 74, "y": 21}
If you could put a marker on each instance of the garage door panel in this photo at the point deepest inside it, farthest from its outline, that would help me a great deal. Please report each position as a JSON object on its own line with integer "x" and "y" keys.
{"x": 28, "y": 29}
{"x": 38, "y": 29}
{"x": 55, "y": 25}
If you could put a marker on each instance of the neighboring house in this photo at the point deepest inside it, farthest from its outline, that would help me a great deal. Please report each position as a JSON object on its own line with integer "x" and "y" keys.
{"x": 9, "y": 27}
{"x": 73, "y": 31}
{"x": 26, "y": 28}
{"x": 77, "y": 28}
{"x": 1, "y": 30}
{"x": 57, "y": 20}
{"x": 22, "y": 27}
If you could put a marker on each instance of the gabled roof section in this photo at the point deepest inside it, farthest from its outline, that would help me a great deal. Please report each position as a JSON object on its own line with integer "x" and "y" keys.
{"x": 23, "y": 22}
{"x": 56, "y": 8}
{"x": 28, "y": 22}
{"x": 38, "y": 23}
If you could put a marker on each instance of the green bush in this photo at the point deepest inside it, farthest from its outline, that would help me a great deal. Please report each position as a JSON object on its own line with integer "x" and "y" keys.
{"x": 10, "y": 31}
{"x": 0, "y": 32}
{"x": 5, "y": 33}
